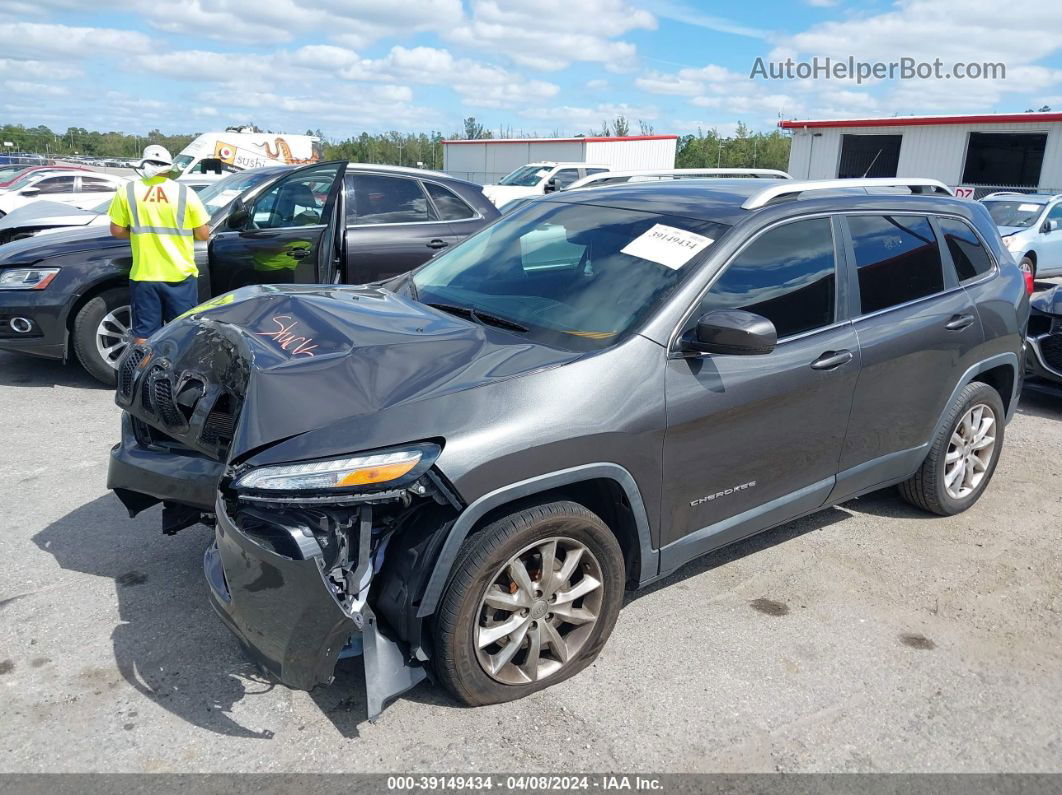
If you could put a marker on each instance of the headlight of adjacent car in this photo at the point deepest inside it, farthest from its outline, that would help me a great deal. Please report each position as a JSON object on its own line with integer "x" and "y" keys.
{"x": 364, "y": 472}
{"x": 26, "y": 278}
{"x": 1013, "y": 243}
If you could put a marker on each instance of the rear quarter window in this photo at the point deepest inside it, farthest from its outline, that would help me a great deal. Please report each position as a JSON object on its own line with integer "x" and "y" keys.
{"x": 969, "y": 255}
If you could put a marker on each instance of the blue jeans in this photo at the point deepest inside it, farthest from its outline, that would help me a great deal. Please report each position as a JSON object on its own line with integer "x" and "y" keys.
{"x": 157, "y": 303}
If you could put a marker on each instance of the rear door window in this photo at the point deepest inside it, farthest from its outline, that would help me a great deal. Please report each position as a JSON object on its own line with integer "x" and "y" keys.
{"x": 451, "y": 207}
{"x": 970, "y": 258}
{"x": 897, "y": 257}
{"x": 55, "y": 185}
{"x": 96, "y": 185}
{"x": 390, "y": 200}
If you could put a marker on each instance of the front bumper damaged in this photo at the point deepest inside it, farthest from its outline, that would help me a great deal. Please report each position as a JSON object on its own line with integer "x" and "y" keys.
{"x": 287, "y": 614}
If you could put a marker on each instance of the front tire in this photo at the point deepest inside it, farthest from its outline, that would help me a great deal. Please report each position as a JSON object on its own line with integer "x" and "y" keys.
{"x": 963, "y": 456}
{"x": 1029, "y": 266}
{"x": 531, "y": 602}
{"x": 102, "y": 332}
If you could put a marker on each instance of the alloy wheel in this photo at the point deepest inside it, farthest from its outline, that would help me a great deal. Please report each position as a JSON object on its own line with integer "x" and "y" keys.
{"x": 538, "y": 611}
{"x": 113, "y": 335}
{"x": 970, "y": 451}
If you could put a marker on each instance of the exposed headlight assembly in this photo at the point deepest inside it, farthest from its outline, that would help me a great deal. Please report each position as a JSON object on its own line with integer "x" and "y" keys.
{"x": 385, "y": 469}
{"x": 26, "y": 278}
{"x": 1013, "y": 242}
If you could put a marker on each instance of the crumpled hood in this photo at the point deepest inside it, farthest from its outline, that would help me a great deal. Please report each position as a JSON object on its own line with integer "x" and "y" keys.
{"x": 312, "y": 355}
{"x": 1048, "y": 302}
{"x": 69, "y": 241}
{"x": 54, "y": 213}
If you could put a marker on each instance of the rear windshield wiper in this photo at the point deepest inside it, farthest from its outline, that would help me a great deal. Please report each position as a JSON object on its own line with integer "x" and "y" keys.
{"x": 483, "y": 318}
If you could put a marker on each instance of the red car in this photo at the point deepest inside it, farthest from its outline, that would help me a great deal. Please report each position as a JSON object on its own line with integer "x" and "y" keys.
{"x": 9, "y": 178}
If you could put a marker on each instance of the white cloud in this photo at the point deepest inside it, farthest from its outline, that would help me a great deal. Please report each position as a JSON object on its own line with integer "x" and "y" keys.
{"x": 680, "y": 12}
{"x": 41, "y": 70}
{"x": 43, "y": 41}
{"x": 551, "y": 34}
{"x": 35, "y": 89}
{"x": 479, "y": 84}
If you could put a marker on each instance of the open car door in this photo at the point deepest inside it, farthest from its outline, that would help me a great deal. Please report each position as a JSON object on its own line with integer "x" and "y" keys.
{"x": 285, "y": 235}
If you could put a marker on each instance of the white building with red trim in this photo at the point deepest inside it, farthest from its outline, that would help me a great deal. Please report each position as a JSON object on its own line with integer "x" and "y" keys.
{"x": 977, "y": 153}
{"x": 486, "y": 160}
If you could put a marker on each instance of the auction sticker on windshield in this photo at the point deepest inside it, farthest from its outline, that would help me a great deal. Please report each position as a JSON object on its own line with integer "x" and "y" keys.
{"x": 1028, "y": 208}
{"x": 667, "y": 245}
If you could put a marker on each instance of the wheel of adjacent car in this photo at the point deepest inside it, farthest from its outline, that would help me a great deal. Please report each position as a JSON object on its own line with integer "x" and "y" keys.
{"x": 1028, "y": 265}
{"x": 963, "y": 456}
{"x": 532, "y": 600}
{"x": 102, "y": 331}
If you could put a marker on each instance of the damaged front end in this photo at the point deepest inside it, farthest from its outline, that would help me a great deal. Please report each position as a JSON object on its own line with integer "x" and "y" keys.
{"x": 295, "y": 572}
{"x": 313, "y": 559}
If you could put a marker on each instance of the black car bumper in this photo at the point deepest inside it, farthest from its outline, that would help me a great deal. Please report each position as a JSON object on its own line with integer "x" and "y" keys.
{"x": 45, "y": 315}
{"x": 1043, "y": 358}
{"x": 144, "y": 474}
{"x": 280, "y": 608}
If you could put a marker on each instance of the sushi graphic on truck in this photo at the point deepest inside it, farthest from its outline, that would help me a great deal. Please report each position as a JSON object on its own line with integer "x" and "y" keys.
{"x": 211, "y": 155}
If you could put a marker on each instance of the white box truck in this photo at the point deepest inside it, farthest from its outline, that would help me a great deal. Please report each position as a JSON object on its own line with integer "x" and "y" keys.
{"x": 212, "y": 155}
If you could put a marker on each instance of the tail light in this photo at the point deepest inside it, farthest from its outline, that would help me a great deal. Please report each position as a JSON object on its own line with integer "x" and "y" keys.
{"x": 1030, "y": 282}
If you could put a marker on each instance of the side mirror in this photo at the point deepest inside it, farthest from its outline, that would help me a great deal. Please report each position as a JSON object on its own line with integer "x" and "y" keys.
{"x": 29, "y": 191}
{"x": 1050, "y": 226}
{"x": 550, "y": 186}
{"x": 733, "y": 332}
{"x": 238, "y": 217}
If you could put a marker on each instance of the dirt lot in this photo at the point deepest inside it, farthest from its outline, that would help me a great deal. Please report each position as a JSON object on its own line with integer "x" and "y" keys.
{"x": 868, "y": 637}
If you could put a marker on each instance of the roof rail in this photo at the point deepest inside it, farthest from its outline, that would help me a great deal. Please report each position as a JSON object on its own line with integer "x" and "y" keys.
{"x": 787, "y": 188}
{"x": 678, "y": 173}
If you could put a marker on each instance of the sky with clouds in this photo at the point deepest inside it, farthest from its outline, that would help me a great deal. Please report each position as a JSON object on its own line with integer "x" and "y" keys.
{"x": 535, "y": 66}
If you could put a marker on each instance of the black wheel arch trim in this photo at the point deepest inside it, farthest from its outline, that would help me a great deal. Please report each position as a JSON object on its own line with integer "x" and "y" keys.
{"x": 1009, "y": 358}
{"x": 649, "y": 557}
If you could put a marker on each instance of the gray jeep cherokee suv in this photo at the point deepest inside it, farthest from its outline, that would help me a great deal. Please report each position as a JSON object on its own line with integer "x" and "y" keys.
{"x": 458, "y": 472}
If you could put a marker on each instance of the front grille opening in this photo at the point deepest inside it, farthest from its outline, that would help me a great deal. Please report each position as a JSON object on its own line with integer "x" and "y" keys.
{"x": 127, "y": 371}
{"x": 220, "y": 425}
{"x": 163, "y": 397}
{"x": 1039, "y": 324}
{"x": 1051, "y": 348}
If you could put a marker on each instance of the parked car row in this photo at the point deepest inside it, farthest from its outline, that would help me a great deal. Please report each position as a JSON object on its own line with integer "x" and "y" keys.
{"x": 462, "y": 463}
{"x": 67, "y": 291}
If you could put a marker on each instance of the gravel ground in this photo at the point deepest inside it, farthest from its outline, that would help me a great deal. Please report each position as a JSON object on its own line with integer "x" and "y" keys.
{"x": 867, "y": 637}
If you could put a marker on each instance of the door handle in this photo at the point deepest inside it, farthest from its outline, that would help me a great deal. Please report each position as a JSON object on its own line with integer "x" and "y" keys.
{"x": 298, "y": 253}
{"x": 831, "y": 360}
{"x": 437, "y": 243}
{"x": 959, "y": 322}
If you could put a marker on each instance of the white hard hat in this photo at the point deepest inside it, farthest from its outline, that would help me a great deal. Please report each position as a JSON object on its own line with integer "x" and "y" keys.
{"x": 156, "y": 154}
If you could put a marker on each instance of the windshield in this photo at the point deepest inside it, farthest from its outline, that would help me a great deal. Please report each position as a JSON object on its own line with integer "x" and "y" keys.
{"x": 576, "y": 276}
{"x": 525, "y": 176}
{"x": 180, "y": 163}
{"x": 1014, "y": 213}
{"x": 216, "y": 196}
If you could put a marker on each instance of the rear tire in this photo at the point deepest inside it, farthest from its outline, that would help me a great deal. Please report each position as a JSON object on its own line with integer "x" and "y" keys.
{"x": 963, "y": 456}
{"x": 468, "y": 663}
{"x": 87, "y": 327}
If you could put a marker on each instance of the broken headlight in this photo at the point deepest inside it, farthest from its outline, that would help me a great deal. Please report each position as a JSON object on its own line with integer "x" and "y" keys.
{"x": 383, "y": 469}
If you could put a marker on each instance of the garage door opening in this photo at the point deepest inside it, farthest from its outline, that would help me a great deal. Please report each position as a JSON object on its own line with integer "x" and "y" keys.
{"x": 1004, "y": 159}
{"x": 869, "y": 156}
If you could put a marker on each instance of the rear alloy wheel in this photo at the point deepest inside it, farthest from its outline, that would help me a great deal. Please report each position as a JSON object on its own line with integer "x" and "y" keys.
{"x": 532, "y": 600}
{"x": 102, "y": 333}
{"x": 963, "y": 455}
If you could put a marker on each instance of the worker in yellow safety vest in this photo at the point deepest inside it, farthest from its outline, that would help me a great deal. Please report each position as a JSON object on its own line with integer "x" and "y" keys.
{"x": 161, "y": 219}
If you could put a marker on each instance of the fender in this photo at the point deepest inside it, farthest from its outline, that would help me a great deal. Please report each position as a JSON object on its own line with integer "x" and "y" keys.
{"x": 526, "y": 488}
{"x": 1010, "y": 358}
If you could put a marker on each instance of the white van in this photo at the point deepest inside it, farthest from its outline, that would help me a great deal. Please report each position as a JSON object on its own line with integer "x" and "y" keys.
{"x": 213, "y": 155}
